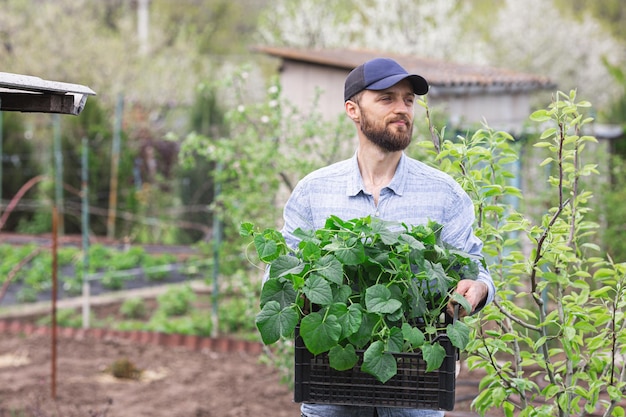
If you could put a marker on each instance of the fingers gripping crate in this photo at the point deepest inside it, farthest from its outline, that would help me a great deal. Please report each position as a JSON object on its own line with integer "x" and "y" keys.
{"x": 411, "y": 387}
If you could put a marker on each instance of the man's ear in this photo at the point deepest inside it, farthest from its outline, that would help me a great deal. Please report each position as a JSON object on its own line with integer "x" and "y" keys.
{"x": 352, "y": 110}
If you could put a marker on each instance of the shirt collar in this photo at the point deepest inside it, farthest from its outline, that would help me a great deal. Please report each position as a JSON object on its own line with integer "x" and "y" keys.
{"x": 355, "y": 180}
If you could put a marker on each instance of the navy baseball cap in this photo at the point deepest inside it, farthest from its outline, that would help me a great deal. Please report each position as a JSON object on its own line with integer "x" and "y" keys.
{"x": 378, "y": 74}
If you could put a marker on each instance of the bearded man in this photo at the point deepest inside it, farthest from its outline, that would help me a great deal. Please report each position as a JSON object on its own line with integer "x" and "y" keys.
{"x": 380, "y": 180}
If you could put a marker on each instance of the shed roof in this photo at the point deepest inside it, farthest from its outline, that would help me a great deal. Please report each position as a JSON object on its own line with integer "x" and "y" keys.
{"x": 26, "y": 93}
{"x": 442, "y": 74}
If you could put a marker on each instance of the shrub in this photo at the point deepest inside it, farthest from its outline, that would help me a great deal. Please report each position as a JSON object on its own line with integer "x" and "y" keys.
{"x": 133, "y": 308}
{"x": 176, "y": 301}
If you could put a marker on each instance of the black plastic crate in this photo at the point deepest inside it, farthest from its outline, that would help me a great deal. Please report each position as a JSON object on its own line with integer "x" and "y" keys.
{"x": 411, "y": 387}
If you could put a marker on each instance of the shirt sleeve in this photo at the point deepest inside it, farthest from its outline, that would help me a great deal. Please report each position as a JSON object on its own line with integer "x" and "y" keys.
{"x": 458, "y": 231}
{"x": 296, "y": 214}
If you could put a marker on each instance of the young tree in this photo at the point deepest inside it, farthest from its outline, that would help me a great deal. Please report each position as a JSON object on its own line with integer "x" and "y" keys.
{"x": 552, "y": 341}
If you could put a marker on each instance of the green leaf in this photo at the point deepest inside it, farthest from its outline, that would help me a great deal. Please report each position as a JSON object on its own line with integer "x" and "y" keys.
{"x": 377, "y": 362}
{"x": 286, "y": 265}
{"x": 347, "y": 255}
{"x": 546, "y": 161}
{"x": 306, "y": 235}
{"x": 279, "y": 291}
{"x": 459, "y": 334}
{"x": 438, "y": 277}
{"x": 418, "y": 306}
{"x": 413, "y": 335}
{"x": 319, "y": 333}
{"x": 378, "y": 300}
{"x": 540, "y": 116}
{"x": 267, "y": 249}
{"x": 395, "y": 342}
{"x": 349, "y": 317}
{"x": 412, "y": 241}
{"x": 310, "y": 251}
{"x": 387, "y": 236}
{"x": 318, "y": 290}
{"x": 246, "y": 229}
{"x": 551, "y": 131}
{"x": 462, "y": 301}
{"x": 342, "y": 358}
{"x": 364, "y": 334}
{"x": 433, "y": 355}
{"x": 341, "y": 294}
{"x": 330, "y": 268}
{"x": 274, "y": 322}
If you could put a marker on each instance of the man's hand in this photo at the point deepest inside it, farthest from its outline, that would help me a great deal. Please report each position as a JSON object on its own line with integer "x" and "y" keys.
{"x": 475, "y": 292}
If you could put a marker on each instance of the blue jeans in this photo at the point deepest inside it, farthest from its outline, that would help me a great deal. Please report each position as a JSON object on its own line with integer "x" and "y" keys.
{"x": 323, "y": 410}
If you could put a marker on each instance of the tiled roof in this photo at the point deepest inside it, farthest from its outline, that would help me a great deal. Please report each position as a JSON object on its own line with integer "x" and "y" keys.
{"x": 442, "y": 74}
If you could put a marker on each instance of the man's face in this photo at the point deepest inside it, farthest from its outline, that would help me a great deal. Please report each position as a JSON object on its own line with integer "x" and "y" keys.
{"x": 387, "y": 116}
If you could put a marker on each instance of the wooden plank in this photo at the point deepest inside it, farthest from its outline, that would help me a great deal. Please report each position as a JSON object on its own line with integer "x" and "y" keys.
{"x": 30, "y": 83}
{"x": 46, "y": 103}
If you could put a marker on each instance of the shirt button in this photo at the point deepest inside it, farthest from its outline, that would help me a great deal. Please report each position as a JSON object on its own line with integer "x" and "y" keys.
{"x": 377, "y": 214}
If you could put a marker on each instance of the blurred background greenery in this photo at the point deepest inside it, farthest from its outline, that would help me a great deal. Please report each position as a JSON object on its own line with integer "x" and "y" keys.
{"x": 197, "y": 107}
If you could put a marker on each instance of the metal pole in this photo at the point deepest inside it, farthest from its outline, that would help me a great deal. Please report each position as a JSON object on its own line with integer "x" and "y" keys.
{"x": 58, "y": 168}
{"x": 217, "y": 243}
{"x": 85, "y": 229}
{"x": 115, "y": 161}
{"x": 53, "y": 380}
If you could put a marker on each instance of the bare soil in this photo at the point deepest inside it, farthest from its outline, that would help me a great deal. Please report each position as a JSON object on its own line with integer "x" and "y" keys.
{"x": 174, "y": 381}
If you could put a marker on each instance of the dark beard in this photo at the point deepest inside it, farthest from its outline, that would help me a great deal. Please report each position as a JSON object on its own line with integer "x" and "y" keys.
{"x": 383, "y": 137}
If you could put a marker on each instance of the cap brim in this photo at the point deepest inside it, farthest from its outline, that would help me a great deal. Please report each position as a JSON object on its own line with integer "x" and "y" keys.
{"x": 420, "y": 86}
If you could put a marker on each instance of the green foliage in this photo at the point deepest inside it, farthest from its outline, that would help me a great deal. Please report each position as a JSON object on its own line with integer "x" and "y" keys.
{"x": 95, "y": 124}
{"x": 234, "y": 316}
{"x": 552, "y": 341}
{"x": 176, "y": 301}
{"x": 113, "y": 280}
{"x": 35, "y": 275}
{"x": 362, "y": 284}
{"x": 133, "y": 308}
{"x": 26, "y": 295}
{"x": 267, "y": 148}
{"x": 197, "y": 188}
{"x": 614, "y": 194}
{"x": 195, "y": 323}
{"x": 66, "y": 317}
{"x": 38, "y": 222}
{"x": 238, "y": 304}
{"x": 99, "y": 257}
{"x": 18, "y": 158}
{"x": 152, "y": 263}
{"x": 126, "y": 259}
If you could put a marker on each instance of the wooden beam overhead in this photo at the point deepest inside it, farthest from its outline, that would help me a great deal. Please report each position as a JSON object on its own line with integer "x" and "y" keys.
{"x": 38, "y": 103}
{"x": 30, "y": 94}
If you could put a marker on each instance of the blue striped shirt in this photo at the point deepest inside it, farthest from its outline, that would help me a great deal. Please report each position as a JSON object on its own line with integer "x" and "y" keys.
{"x": 416, "y": 194}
